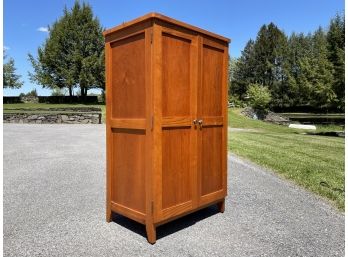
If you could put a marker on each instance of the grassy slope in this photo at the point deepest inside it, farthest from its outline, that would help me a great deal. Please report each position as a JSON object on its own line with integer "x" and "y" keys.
{"x": 314, "y": 162}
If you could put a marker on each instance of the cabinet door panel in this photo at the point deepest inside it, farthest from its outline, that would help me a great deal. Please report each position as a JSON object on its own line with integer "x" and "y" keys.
{"x": 212, "y": 105}
{"x": 177, "y": 177}
{"x": 212, "y": 160}
{"x": 174, "y": 136}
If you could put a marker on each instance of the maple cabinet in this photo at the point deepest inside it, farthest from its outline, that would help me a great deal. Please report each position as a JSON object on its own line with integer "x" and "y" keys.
{"x": 166, "y": 120}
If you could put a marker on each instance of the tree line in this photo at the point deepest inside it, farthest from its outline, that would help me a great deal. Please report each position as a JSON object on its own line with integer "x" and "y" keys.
{"x": 297, "y": 70}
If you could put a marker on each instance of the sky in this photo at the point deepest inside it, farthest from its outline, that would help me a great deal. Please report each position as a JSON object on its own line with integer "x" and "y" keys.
{"x": 25, "y": 22}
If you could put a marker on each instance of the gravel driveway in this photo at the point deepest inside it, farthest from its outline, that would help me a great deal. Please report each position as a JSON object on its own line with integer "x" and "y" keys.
{"x": 54, "y": 183}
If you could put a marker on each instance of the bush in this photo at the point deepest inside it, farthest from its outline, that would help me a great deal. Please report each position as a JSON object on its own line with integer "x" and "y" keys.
{"x": 236, "y": 102}
{"x": 259, "y": 96}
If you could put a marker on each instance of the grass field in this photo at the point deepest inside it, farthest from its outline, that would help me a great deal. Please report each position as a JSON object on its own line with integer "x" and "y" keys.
{"x": 314, "y": 162}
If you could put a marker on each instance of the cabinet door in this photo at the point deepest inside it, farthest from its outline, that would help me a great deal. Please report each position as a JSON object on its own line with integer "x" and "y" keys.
{"x": 212, "y": 114}
{"x": 175, "y": 140}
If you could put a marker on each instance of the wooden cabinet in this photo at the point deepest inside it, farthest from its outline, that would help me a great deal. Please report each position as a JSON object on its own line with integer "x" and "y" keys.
{"x": 166, "y": 120}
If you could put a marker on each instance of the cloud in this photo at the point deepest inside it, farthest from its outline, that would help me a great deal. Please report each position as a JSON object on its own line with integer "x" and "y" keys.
{"x": 43, "y": 29}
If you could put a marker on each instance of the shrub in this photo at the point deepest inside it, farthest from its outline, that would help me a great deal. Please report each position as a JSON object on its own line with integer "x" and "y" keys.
{"x": 236, "y": 102}
{"x": 259, "y": 96}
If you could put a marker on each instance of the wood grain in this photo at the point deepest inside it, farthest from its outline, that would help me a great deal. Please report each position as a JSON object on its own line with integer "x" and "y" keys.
{"x": 128, "y": 77}
{"x": 128, "y": 176}
{"x": 128, "y": 123}
{"x": 176, "y": 75}
{"x": 185, "y": 121}
{"x": 176, "y": 173}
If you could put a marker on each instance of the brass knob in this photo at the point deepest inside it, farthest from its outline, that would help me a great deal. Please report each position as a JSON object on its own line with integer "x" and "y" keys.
{"x": 200, "y": 123}
{"x": 194, "y": 122}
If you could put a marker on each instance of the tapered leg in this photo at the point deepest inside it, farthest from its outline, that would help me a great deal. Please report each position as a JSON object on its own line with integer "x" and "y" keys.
{"x": 221, "y": 206}
{"x": 151, "y": 233}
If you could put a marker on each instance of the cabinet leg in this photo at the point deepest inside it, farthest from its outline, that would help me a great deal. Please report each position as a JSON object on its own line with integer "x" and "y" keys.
{"x": 221, "y": 206}
{"x": 108, "y": 214}
{"x": 151, "y": 233}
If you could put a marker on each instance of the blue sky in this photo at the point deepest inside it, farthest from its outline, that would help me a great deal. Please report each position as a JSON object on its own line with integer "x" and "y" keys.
{"x": 240, "y": 20}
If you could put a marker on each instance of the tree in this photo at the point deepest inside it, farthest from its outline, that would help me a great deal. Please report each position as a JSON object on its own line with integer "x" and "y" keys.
{"x": 10, "y": 78}
{"x": 259, "y": 96}
{"x": 244, "y": 71}
{"x": 299, "y": 56}
{"x": 73, "y": 54}
{"x": 335, "y": 45}
{"x": 272, "y": 66}
{"x": 322, "y": 79}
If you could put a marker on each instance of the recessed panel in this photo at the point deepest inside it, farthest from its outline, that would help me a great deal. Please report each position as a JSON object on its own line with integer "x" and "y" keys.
{"x": 128, "y": 77}
{"x": 211, "y": 159}
{"x": 128, "y": 181}
{"x": 211, "y": 94}
{"x": 176, "y": 173}
{"x": 176, "y": 76}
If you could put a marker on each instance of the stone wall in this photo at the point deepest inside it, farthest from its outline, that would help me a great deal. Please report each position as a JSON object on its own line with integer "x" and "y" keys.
{"x": 73, "y": 118}
{"x": 265, "y": 116}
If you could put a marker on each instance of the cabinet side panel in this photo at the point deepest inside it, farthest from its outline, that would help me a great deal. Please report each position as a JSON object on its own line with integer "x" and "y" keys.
{"x": 128, "y": 77}
{"x": 128, "y": 176}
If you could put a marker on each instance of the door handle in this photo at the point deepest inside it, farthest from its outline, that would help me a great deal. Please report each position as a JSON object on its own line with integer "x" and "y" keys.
{"x": 200, "y": 123}
{"x": 194, "y": 122}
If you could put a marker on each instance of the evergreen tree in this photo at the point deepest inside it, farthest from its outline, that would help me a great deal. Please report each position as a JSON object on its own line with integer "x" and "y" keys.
{"x": 73, "y": 54}
{"x": 244, "y": 72}
{"x": 299, "y": 57}
{"x": 10, "y": 78}
{"x": 336, "y": 40}
{"x": 272, "y": 66}
{"x": 323, "y": 95}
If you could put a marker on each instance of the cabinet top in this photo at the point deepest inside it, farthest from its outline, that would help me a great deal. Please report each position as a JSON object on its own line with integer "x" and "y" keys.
{"x": 154, "y": 15}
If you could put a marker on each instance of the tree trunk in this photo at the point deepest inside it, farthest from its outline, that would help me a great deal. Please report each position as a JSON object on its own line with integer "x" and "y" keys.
{"x": 70, "y": 91}
{"x": 82, "y": 91}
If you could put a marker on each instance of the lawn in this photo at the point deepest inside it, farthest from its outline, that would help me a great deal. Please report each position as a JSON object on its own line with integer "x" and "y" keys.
{"x": 314, "y": 162}
{"x": 8, "y": 108}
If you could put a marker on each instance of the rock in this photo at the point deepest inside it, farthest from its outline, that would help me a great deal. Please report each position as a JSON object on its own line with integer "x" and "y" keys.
{"x": 265, "y": 116}
{"x": 32, "y": 117}
{"x": 64, "y": 117}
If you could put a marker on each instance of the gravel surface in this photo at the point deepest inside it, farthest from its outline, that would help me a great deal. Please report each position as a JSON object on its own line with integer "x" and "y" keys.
{"x": 54, "y": 205}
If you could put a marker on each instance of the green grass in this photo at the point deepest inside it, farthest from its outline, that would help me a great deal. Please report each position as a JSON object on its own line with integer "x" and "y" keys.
{"x": 314, "y": 162}
{"x": 30, "y": 106}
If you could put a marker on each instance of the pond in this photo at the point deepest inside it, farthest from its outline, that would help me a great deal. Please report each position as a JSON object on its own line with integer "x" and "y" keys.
{"x": 313, "y": 118}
